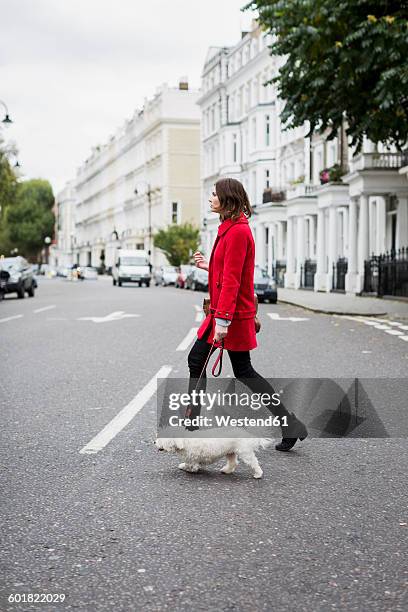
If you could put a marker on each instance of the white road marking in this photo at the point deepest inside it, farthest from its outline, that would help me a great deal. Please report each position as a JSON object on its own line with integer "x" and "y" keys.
{"x": 383, "y": 324}
{"x": 198, "y": 308}
{"x": 10, "y": 318}
{"x": 113, "y": 316}
{"x": 275, "y": 316}
{"x": 125, "y": 415}
{"x": 184, "y": 344}
{"x": 44, "y": 308}
{"x": 199, "y": 316}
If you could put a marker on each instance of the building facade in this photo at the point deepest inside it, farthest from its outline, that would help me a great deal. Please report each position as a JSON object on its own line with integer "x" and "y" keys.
{"x": 320, "y": 212}
{"x": 144, "y": 178}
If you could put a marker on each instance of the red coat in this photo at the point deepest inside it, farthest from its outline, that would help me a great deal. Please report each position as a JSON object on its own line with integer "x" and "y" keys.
{"x": 231, "y": 285}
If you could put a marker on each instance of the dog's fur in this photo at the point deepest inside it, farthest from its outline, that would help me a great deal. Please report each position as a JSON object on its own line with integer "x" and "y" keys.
{"x": 198, "y": 452}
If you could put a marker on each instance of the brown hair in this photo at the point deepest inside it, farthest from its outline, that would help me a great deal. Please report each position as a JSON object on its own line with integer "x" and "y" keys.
{"x": 233, "y": 198}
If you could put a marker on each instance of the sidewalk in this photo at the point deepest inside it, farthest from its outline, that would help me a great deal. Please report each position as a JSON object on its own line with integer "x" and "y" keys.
{"x": 345, "y": 304}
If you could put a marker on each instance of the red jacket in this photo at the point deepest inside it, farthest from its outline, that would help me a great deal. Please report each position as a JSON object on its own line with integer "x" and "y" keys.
{"x": 231, "y": 285}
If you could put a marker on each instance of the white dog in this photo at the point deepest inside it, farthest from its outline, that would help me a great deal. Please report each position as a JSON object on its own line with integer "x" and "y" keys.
{"x": 198, "y": 452}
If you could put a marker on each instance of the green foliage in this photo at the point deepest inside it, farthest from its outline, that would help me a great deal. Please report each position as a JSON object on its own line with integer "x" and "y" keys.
{"x": 28, "y": 218}
{"x": 177, "y": 242}
{"x": 345, "y": 59}
{"x": 8, "y": 190}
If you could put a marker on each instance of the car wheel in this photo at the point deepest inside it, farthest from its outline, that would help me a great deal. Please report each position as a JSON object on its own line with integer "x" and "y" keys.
{"x": 31, "y": 291}
{"x": 261, "y": 300}
{"x": 21, "y": 292}
{"x": 114, "y": 282}
{"x": 147, "y": 283}
{"x": 119, "y": 283}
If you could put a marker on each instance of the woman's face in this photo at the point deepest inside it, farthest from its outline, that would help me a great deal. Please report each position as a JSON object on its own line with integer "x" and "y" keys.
{"x": 214, "y": 202}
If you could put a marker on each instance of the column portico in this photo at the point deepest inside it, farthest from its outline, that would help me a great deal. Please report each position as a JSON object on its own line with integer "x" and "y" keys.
{"x": 362, "y": 238}
{"x": 320, "y": 276}
{"x": 351, "y": 276}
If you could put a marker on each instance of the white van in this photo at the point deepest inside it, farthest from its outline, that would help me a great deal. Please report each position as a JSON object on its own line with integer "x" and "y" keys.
{"x": 131, "y": 266}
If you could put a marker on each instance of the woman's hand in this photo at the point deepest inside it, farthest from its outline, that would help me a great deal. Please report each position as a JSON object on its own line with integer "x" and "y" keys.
{"x": 200, "y": 261}
{"x": 220, "y": 332}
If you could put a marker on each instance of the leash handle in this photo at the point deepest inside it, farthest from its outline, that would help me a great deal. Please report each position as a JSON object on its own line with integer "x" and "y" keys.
{"x": 218, "y": 361}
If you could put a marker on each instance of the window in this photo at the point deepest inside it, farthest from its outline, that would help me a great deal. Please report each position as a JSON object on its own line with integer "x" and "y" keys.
{"x": 254, "y": 189}
{"x": 254, "y": 133}
{"x": 174, "y": 212}
{"x": 267, "y": 130}
{"x": 267, "y": 179}
{"x": 234, "y": 147}
{"x": 212, "y": 119}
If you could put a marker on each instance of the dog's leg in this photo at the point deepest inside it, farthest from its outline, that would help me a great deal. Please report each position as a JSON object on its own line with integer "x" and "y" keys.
{"x": 231, "y": 464}
{"x": 189, "y": 467}
{"x": 251, "y": 460}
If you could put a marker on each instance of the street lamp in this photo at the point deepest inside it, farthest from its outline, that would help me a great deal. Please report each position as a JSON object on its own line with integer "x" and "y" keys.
{"x": 148, "y": 192}
{"x": 47, "y": 241}
{"x": 6, "y": 121}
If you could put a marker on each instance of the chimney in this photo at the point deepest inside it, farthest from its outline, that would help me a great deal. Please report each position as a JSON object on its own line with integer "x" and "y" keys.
{"x": 183, "y": 83}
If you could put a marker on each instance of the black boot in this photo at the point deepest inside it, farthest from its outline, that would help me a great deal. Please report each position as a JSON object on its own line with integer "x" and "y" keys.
{"x": 295, "y": 429}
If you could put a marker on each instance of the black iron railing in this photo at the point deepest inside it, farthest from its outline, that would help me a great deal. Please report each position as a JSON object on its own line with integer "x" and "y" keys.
{"x": 307, "y": 273}
{"x": 339, "y": 274}
{"x": 387, "y": 274}
{"x": 278, "y": 272}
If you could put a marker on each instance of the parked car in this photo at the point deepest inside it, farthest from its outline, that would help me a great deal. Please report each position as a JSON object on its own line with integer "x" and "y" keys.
{"x": 197, "y": 280}
{"x": 21, "y": 278}
{"x": 182, "y": 273}
{"x": 4, "y": 276}
{"x": 165, "y": 275}
{"x": 90, "y": 273}
{"x": 265, "y": 286}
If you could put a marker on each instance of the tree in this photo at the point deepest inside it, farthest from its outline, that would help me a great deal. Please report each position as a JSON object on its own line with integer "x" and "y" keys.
{"x": 178, "y": 242}
{"x": 8, "y": 189}
{"x": 30, "y": 218}
{"x": 344, "y": 60}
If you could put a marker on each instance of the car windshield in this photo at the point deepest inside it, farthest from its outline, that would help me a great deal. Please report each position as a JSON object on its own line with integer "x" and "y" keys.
{"x": 133, "y": 261}
{"x": 185, "y": 268}
{"x": 260, "y": 274}
{"x": 169, "y": 269}
{"x": 9, "y": 264}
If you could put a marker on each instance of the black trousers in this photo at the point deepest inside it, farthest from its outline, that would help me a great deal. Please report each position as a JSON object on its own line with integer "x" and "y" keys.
{"x": 241, "y": 366}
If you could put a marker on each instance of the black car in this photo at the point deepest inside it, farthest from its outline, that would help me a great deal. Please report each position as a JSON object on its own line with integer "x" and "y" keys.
{"x": 197, "y": 280}
{"x": 21, "y": 278}
{"x": 265, "y": 286}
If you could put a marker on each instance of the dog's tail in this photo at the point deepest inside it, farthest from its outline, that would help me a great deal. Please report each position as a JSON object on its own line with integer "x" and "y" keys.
{"x": 263, "y": 443}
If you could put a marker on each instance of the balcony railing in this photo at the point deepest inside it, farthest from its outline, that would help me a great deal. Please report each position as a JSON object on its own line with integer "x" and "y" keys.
{"x": 300, "y": 190}
{"x": 369, "y": 161}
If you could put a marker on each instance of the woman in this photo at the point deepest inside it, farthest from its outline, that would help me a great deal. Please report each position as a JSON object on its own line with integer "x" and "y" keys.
{"x": 231, "y": 288}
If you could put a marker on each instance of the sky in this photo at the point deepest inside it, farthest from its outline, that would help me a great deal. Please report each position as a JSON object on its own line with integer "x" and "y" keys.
{"x": 72, "y": 71}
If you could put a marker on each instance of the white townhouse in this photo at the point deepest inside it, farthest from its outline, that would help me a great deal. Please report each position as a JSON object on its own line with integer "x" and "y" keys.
{"x": 320, "y": 212}
{"x": 144, "y": 178}
{"x": 61, "y": 252}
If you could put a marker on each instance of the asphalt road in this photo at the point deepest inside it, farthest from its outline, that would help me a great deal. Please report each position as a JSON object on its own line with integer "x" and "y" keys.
{"x": 123, "y": 529}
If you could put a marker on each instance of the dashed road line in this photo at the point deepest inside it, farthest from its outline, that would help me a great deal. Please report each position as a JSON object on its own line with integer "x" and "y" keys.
{"x": 185, "y": 343}
{"x": 389, "y": 327}
{"x": 11, "y": 318}
{"x": 275, "y": 316}
{"x": 44, "y": 308}
{"x": 125, "y": 415}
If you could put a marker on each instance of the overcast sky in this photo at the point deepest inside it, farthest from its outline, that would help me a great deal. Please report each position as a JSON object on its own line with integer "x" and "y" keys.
{"x": 71, "y": 71}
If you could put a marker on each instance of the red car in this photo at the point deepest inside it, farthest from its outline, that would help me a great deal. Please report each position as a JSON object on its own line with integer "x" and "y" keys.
{"x": 183, "y": 272}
